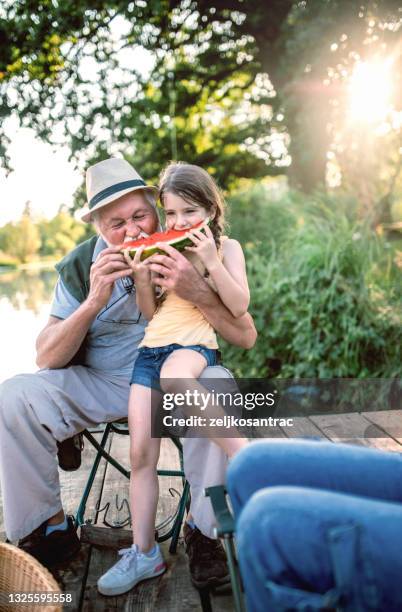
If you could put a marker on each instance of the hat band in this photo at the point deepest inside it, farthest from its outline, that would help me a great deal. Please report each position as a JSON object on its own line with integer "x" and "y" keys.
{"x": 105, "y": 193}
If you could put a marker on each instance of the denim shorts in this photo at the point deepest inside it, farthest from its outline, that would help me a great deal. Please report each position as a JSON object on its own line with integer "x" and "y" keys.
{"x": 148, "y": 365}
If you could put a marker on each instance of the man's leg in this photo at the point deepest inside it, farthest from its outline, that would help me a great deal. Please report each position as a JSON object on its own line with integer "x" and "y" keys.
{"x": 205, "y": 466}
{"x": 35, "y": 411}
{"x": 321, "y": 465}
{"x": 302, "y": 548}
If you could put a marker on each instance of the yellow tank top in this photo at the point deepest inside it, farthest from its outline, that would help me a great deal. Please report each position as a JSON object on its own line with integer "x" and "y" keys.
{"x": 178, "y": 321}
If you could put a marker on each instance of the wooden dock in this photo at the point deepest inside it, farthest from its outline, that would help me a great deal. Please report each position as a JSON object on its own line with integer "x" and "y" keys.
{"x": 173, "y": 592}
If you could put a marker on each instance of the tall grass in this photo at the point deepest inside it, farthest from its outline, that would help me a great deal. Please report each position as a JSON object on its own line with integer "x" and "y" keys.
{"x": 325, "y": 291}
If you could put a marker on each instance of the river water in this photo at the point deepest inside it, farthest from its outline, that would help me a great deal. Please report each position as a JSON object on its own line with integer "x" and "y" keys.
{"x": 25, "y": 298}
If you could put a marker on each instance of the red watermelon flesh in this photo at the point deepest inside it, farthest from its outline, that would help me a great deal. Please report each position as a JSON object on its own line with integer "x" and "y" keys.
{"x": 176, "y": 238}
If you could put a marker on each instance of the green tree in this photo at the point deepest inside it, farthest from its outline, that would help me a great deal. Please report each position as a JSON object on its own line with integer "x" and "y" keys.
{"x": 21, "y": 239}
{"x": 235, "y": 86}
{"x": 60, "y": 234}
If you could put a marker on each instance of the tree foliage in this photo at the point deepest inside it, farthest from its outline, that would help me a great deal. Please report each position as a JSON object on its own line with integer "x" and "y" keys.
{"x": 325, "y": 291}
{"x": 21, "y": 239}
{"x": 234, "y": 86}
{"x": 27, "y": 238}
{"x": 60, "y": 234}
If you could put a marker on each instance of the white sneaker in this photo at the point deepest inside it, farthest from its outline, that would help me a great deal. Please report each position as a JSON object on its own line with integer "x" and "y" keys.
{"x": 133, "y": 567}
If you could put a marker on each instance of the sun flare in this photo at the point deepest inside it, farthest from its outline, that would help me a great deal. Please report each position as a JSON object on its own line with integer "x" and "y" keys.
{"x": 370, "y": 91}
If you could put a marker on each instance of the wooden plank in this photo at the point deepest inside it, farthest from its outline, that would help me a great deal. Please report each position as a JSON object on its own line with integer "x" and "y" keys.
{"x": 144, "y": 596}
{"x": 303, "y": 427}
{"x": 100, "y": 535}
{"x": 222, "y": 599}
{"x": 71, "y": 576}
{"x": 100, "y": 560}
{"x": 170, "y": 487}
{"x": 267, "y": 432}
{"x": 354, "y": 428}
{"x": 172, "y": 592}
{"x": 390, "y": 421}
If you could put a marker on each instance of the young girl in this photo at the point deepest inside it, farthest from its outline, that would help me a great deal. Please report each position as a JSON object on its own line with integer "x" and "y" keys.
{"x": 178, "y": 344}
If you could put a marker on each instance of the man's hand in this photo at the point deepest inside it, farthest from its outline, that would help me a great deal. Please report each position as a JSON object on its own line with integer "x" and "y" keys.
{"x": 107, "y": 269}
{"x": 179, "y": 275}
{"x": 176, "y": 274}
{"x": 59, "y": 341}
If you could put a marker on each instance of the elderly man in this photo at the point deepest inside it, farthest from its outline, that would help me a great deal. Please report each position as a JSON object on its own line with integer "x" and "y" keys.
{"x": 86, "y": 354}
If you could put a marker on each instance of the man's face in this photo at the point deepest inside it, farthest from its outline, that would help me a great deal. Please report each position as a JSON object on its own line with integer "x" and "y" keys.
{"x": 128, "y": 218}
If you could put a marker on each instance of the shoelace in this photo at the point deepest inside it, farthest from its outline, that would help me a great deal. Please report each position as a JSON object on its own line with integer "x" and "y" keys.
{"x": 128, "y": 556}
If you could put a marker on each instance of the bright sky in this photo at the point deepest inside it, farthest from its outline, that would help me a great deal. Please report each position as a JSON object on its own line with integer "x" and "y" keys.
{"x": 40, "y": 174}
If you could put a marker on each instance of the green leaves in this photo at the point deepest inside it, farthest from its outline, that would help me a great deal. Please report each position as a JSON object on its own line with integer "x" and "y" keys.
{"x": 243, "y": 88}
{"x": 322, "y": 303}
{"x": 190, "y": 104}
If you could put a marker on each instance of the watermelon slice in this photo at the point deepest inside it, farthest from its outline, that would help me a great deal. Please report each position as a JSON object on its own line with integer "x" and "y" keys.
{"x": 176, "y": 238}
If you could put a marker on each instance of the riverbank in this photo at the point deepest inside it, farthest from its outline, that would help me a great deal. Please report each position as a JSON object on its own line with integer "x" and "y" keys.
{"x": 7, "y": 266}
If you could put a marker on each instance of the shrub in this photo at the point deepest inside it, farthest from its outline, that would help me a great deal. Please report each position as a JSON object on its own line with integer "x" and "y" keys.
{"x": 254, "y": 218}
{"x": 326, "y": 302}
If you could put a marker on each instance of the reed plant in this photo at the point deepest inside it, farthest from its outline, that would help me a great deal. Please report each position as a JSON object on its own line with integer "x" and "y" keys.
{"x": 325, "y": 291}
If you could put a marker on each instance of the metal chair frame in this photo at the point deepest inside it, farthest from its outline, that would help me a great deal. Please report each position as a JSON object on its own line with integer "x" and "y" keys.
{"x": 174, "y": 531}
{"x": 225, "y": 529}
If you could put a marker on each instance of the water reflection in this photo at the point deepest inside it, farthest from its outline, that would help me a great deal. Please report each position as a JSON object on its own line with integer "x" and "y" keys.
{"x": 28, "y": 289}
{"x": 25, "y": 297}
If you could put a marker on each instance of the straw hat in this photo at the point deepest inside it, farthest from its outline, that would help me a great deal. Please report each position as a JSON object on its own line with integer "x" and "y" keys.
{"x": 107, "y": 181}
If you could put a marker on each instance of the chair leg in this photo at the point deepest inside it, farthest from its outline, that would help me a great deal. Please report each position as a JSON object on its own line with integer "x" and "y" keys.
{"x": 205, "y": 597}
{"x": 184, "y": 503}
{"x": 80, "y": 516}
{"x": 235, "y": 577}
{"x": 179, "y": 518}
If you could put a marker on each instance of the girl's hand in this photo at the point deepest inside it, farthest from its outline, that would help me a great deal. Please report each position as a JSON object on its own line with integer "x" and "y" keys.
{"x": 140, "y": 269}
{"x": 204, "y": 247}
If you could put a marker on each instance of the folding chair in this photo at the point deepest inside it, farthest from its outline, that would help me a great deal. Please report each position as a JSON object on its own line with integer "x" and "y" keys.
{"x": 225, "y": 528}
{"x": 121, "y": 427}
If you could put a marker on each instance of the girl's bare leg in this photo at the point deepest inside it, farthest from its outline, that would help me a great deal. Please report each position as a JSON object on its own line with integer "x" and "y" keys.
{"x": 144, "y": 455}
{"x": 179, "y": 373}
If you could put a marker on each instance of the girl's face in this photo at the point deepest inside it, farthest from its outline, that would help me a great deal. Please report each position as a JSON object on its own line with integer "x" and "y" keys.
{"x": 181, "y": 214}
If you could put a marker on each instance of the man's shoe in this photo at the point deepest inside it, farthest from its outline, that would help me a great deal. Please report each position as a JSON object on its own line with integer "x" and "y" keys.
{"x": 58, "y": 547}
{"x": 132, "y": 568}
{"x": 207, "y": 559}
{"x": 69, "y": 452}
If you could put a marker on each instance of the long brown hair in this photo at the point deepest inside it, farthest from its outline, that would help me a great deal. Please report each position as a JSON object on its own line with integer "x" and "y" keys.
{"x": 195, "y": 185}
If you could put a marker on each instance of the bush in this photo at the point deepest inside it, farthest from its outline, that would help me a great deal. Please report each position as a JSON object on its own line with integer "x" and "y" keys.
{"x": 326, "y": 302}
{"x": 254, "y": 218}
{"x": 60, "y": 234}
{"x": 7, "y": 261}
